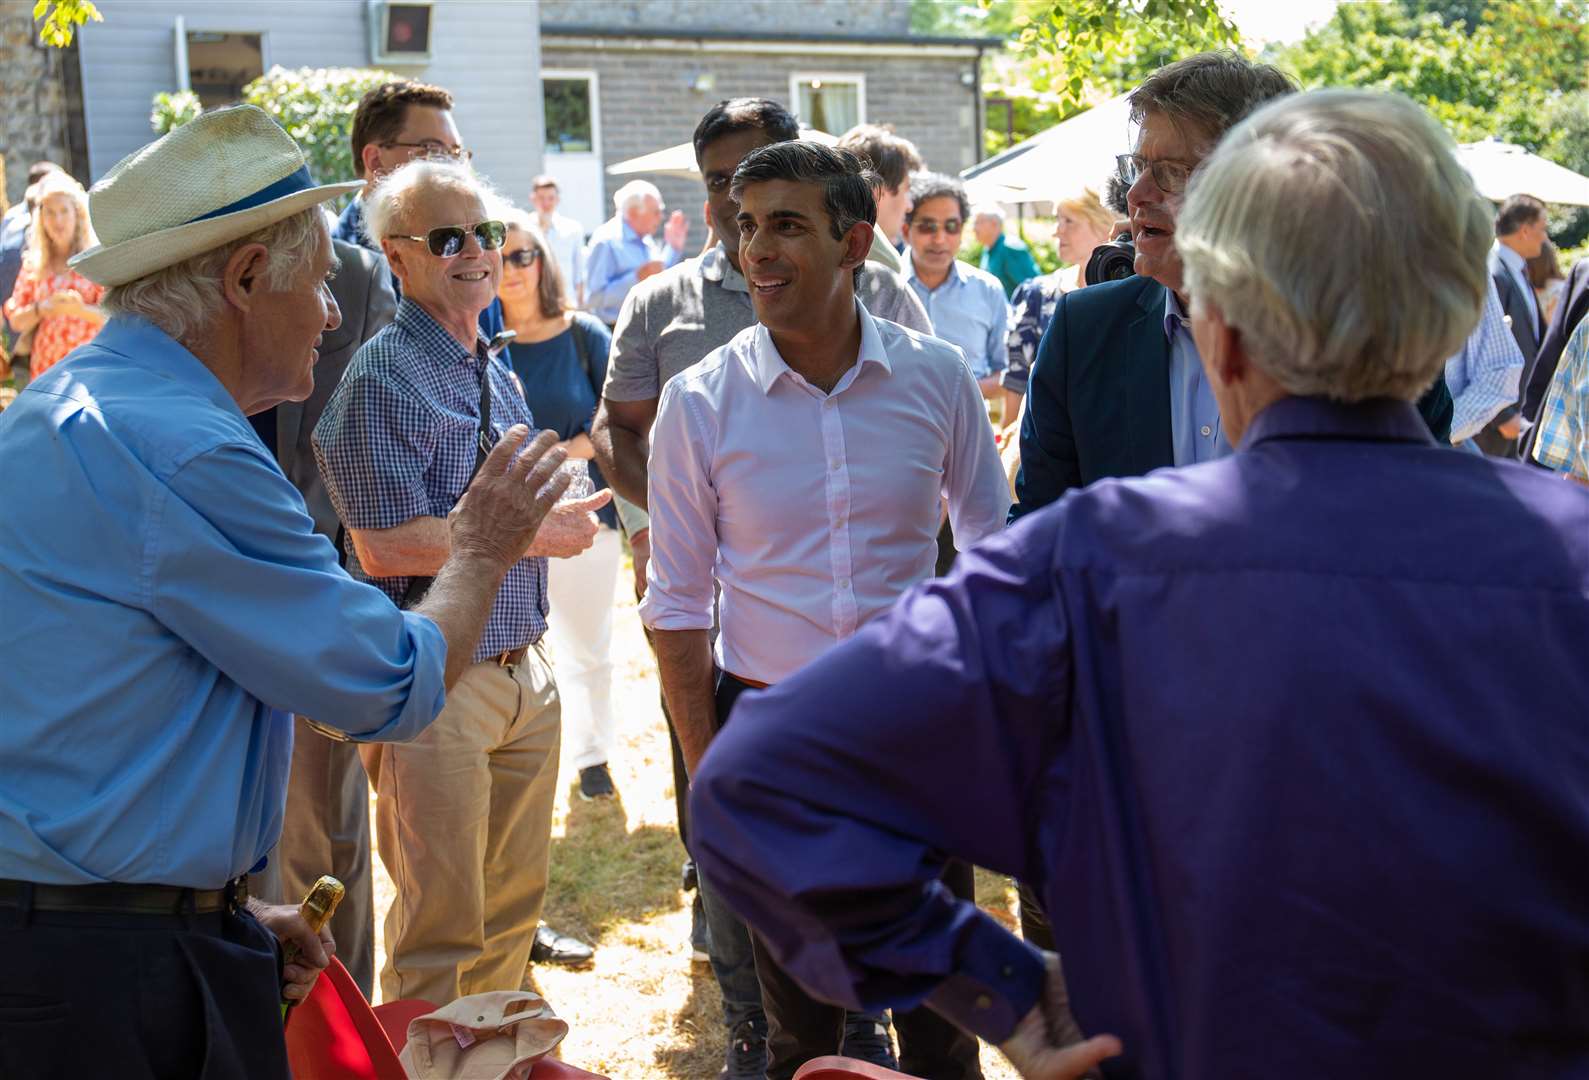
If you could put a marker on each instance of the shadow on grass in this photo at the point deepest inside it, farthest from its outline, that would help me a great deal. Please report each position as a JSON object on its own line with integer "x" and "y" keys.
{"x": 604, "y": 874}
{"x": 694, "y": 1048}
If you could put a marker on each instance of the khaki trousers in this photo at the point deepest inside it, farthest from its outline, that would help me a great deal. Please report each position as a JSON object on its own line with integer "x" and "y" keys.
{"x": 326, "y": 830}
{"x": 463, "y": 823}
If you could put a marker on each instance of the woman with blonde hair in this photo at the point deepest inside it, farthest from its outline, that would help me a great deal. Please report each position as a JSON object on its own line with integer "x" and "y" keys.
{"x": 55, "y": 303}
{"x": 560, "y": 357}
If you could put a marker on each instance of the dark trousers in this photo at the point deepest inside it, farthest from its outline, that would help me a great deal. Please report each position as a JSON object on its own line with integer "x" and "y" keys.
{"x": 799, "y": 1027}
{"x": 139, "y": 997}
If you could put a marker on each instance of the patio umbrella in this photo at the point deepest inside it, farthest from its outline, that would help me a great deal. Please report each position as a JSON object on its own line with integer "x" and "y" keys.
{"x": 679, "y": 161}
{"x": 1073, "y": 154}
{"x": 1501, "y": 169}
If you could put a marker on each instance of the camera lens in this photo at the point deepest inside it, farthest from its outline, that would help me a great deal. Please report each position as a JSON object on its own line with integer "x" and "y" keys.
{"x": 1111, "y": 262}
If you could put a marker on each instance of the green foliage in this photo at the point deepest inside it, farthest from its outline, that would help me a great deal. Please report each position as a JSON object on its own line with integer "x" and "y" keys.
{"x": 173, "y": 110}
{"x": 316, "y": 107}
{"x": 58, "y": 19}
{"x": 1568, "y": 123}
{"x": 1497, "y": 79}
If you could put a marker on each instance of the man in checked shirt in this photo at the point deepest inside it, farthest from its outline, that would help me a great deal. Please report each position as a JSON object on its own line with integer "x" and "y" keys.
{"x": 464, "y": 812}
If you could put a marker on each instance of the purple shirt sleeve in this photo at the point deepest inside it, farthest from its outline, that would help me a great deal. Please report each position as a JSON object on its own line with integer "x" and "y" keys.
{"x": 823, "y": 808}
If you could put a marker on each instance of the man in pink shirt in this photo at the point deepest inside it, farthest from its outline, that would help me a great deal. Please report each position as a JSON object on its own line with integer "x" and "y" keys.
{"x": 800, "y": 471}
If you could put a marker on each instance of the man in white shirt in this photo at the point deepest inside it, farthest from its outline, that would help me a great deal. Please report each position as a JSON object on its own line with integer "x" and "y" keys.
{"x": 564, "y": 235}
{"x": 799, "y": 469}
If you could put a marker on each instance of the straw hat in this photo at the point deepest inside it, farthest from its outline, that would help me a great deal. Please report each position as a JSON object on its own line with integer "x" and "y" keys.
{"x": 216, "y": 179}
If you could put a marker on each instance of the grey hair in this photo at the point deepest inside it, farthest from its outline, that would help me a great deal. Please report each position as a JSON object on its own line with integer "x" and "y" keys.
{"x": 1207, "y": 94}
{"x": 992, "y": 210}
{"x": 388, "y": 210}
{"x": 183, "y": 298}
{"x": 1337, "y": 233}
{"x": 633, "y": 192}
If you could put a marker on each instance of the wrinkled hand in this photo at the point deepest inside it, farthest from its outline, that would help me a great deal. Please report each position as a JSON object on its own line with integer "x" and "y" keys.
{"x": 1047, "y": 1043}
{"x": 640, "y": 545}
{"x": 676, "y": 231}
{"x": 505, "y": 506}
{"x": 571, "y": 527}
{"x": 304, "y": 953}
{"x": 645, "y": 270}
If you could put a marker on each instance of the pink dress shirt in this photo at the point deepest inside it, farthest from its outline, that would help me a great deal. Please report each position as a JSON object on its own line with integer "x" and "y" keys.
{"x": 812, "y": 512}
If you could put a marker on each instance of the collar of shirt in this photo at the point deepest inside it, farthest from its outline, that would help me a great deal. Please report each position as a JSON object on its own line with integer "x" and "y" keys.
{"x": 955, "y": 276}
{"x": 1374, "y": 420}
{"x": 1174, "y": 316}
{"x": 717, "y": 267}
{"x": 437, "y": 342}
{"x": 766, "y": 365}
{"x": 161, "y": 355}
{"x": 1514, "y": 262}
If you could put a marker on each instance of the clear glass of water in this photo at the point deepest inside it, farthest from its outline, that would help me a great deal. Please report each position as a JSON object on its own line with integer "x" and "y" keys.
{"x": 580, "y": 485}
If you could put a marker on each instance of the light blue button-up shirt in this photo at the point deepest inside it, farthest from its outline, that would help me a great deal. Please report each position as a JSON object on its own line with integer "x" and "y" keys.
{"x": 613, "y": 255}
{"x": 1194, "y": 414}
{"x": 166, "y": 606}
{"x": 1484, "y": 375}
{"x": 968, "y": 310}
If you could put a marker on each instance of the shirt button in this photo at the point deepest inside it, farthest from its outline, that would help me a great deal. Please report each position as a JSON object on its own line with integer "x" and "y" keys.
{"x": 845, "y": 584}
{"x": 1206, "y": 430}
{"x": 834, "y": 465}
{"x": 984, "y": 1002}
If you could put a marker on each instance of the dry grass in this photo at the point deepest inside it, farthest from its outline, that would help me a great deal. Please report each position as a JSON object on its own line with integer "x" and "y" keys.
{"x": 639, "y": 1012}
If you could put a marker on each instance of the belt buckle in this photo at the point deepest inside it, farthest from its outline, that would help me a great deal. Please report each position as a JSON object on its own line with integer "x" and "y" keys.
{"x": 505, "y": 659}
{"x": 236, "y": 893}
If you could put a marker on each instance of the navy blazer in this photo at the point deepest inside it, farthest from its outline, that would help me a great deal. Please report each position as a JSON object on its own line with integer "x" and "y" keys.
{"x": 1098, "y": 396}
{"x": 1542, "y": 368}
{"x": 1525, "y": 324}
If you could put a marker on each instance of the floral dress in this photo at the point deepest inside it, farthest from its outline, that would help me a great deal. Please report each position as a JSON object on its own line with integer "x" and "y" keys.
{"x": 56, "y": 335}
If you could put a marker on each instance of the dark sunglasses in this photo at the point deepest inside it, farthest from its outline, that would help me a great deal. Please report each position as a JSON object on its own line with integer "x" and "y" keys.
{"x": 951, "y": 227}
{"x": 447, "y": 240}
{"x": 522, "y": 258}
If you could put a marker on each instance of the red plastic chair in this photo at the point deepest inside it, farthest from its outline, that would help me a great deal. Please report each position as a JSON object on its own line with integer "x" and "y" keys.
{"x": 335, "y": 1034}
{"x": 834, "y": 1067}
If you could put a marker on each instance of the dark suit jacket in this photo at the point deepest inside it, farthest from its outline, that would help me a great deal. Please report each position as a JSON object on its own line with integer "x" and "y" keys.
{"x": 1098, "y": 397}
{"x": 1569, "y": 313}
{"x": 1525, "y": 325}
{"x": 363, "y": 290}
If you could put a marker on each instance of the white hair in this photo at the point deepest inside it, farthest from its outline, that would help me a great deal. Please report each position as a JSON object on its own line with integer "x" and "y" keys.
{"x": 992, "y": 210}
{"x": 1336, "y": 232}
{"x": 388, "y": 210}
{"x": 634, "y": 192}
{"x": 183, "y": 298}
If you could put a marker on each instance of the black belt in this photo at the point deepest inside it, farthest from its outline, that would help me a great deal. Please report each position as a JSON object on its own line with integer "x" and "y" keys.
{"x": 116, "y": 899}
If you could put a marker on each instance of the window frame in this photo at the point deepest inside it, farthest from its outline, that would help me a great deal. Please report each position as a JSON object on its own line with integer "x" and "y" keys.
{"x": 183, "y": 27}
{"x": 797, "y": 79}
{"x": 592, "y": 78}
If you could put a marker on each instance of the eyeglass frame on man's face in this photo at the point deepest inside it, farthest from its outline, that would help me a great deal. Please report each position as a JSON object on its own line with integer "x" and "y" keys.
{"x": 1131, "y": 167}
{"x": 432, "y": 148}
{"x": 490, "y": 235}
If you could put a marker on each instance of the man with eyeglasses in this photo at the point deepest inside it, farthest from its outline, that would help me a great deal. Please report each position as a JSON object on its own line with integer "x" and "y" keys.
{"x": 966, "y": 305}
{"x": 464, "y": 813}
{"x": 1118, "y": 388}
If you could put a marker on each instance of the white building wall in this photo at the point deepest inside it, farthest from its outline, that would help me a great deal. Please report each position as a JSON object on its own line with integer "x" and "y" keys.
{"x": 487, "y": 53}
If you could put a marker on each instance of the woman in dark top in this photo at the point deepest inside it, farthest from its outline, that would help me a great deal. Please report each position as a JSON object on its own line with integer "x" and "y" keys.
{"x": 560, "y": 357}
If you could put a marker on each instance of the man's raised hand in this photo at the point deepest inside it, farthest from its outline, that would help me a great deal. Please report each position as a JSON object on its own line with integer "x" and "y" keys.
{"x": 502, "y": 510}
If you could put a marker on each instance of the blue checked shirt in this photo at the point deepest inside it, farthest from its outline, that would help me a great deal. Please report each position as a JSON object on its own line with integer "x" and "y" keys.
{"x": 1563, "y": 440}
{"x": 1483, "y": 377}
{"x": 397, "y": 442}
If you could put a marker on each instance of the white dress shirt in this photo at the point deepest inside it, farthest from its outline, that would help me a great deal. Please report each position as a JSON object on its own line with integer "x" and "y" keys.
{"x": 566, "y": 238}
{"x": 813, "y": 512}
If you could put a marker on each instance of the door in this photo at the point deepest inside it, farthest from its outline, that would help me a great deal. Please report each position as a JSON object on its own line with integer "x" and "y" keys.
{"x": 573, "y": 144}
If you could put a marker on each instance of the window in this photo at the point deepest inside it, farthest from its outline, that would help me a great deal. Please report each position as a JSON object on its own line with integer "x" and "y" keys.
{"x": 570, "y": 123}
{"x": 828, "y": 102}
{"x": 221, "y": 64}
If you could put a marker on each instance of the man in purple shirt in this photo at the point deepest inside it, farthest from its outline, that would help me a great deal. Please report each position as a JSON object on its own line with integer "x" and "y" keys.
{"x": 1237, "y": 721}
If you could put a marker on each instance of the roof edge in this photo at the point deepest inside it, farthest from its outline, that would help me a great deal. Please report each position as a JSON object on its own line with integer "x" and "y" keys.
{"x": 684, "y": 34}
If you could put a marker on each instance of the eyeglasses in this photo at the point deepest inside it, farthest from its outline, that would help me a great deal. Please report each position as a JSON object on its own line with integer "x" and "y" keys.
{"x": 522, "y": 258}
{"x": 434, "y": 148}
{"x": 952, "y": 227}
{"x": 447, "y": 240}
{"x": 1170, "y": 176}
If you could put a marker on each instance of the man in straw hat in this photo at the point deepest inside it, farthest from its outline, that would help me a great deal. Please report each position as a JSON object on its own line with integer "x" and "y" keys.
{"x": 169, "y": 606}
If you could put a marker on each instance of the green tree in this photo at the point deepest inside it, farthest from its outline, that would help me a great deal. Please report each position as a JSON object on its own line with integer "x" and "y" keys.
{"x": 314, "y": 105}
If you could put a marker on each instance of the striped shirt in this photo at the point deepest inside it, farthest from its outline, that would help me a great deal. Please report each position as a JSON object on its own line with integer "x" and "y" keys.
{"x": 1563, "y": 442}
{"x": 397, "y": 442}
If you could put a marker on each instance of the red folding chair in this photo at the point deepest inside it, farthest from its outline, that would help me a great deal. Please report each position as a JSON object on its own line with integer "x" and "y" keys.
{"x": 335, "y": 1034}
{"x": 834, "y": 1067}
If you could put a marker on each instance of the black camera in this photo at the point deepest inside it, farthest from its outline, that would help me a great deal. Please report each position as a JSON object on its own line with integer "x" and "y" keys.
{"x": 1111, "y": 262}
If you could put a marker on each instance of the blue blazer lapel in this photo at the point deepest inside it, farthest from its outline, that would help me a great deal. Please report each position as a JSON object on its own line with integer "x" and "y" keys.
{"x": 1145, "y": 386}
